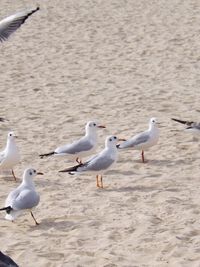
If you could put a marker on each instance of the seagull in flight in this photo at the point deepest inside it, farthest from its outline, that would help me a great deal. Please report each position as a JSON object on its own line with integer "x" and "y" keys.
{"x": 13, "y": 22}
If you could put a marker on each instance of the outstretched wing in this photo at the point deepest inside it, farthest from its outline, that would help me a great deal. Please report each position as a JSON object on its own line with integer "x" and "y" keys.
{"x": 13, "y": 22}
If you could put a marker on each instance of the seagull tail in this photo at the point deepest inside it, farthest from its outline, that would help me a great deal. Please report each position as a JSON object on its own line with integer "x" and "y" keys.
{"x": 7, "y": 209}
{"x": 72, "y": 170}
{"x": 183, "y": 122}
{"x": 12, "y": 216}
{"x": 123, "y": 145}
{"x": 47, "y": 155}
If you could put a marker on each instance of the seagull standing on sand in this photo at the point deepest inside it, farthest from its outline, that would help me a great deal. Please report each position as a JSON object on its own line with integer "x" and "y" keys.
{"x": 192, "y": 127}
{"x": 10, "y": 157}
{"x": 99, "y": 163}
{"x": 144, "y": 140}
{"x": 79, "y": 148}
{"x": 24, "y": 197}
{"x": 13, "y": 22}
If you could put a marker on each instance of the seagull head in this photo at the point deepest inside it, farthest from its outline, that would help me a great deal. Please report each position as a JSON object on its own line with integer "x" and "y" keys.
{"x": 31, "y": 173}
{"x": 153, "y": 121}
{"x": 92, "y": 126}
{"x": 112, "y": 140}
{"x": 11, "y": 135}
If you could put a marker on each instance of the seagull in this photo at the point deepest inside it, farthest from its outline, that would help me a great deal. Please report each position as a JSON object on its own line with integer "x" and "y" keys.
{"x": 9, "y": 157}
{"x": 24, "y": 197}
{"x": 193, "y": 127}
{"x": 100, "y": 162}
{"x": 144, "y": 140}
{"x": 13, "y": 22}
{"x": 79, "y": 148}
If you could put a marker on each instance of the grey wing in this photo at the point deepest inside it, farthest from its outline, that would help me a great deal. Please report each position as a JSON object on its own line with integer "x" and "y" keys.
{"x": 97, "y": 163}
{"x": 13, "y": 22}
{"x": 27, "y": 199}
{"x": 195, "y": 126}
{"x": 76, "y": 147}
{"x": 12, "y": 196}
{"x": 137, "y": 140}
{"x": 2, "y": 156}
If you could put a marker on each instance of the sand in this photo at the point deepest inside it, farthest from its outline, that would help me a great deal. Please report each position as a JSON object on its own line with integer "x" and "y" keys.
{"x": 121, "y": 63}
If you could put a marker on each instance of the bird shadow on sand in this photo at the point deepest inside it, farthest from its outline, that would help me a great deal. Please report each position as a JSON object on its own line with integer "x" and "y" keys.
{"x": 131, "y": 189}
{"x": 166, "y": 162}
{"x": 60, "y": 224}
{"x": 124, "y": 172}
{"x": 153, "y": 162}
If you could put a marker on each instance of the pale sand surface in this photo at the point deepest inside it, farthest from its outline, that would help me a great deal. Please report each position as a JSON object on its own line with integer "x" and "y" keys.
{"x": 120, "y": 62}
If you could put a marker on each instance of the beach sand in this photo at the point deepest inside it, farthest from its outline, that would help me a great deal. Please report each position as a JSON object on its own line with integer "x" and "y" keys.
{"x": 120, "y": 63}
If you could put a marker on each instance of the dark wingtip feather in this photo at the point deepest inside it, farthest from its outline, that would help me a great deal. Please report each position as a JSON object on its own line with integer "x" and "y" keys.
{"x": 72, "y": 169}
{"x": 29, "y": 14}
{"x": 183, "y": 122}
{"x": 47, "y": 154}
{"x": 3, "y": 119}
{"x": 7, "y": 209}
{"x": 180, "y": 121}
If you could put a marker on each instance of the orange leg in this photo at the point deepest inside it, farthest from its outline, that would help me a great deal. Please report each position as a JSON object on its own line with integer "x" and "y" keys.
{"x": 97, "y": 179}
{"x": 101, "y": 179}
{"x": 14, "y": 176}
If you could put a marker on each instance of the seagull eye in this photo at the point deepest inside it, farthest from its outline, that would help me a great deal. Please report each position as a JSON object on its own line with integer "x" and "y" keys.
{"x": 94, "y": 124}
{"x": 115, "y": 137}
{"x": 30, "y": 173}
{"x": 34, "y": 171}
{"x": 10, "y": 134}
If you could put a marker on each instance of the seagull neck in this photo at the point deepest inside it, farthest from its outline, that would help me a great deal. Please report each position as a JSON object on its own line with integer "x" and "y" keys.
{"x": 27, "y": 181}
{"x": 91, "y": 135}
{"x": 10, "y": 142}
{"x": 153, "y": 127}
{"x": 113, "y": 149}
